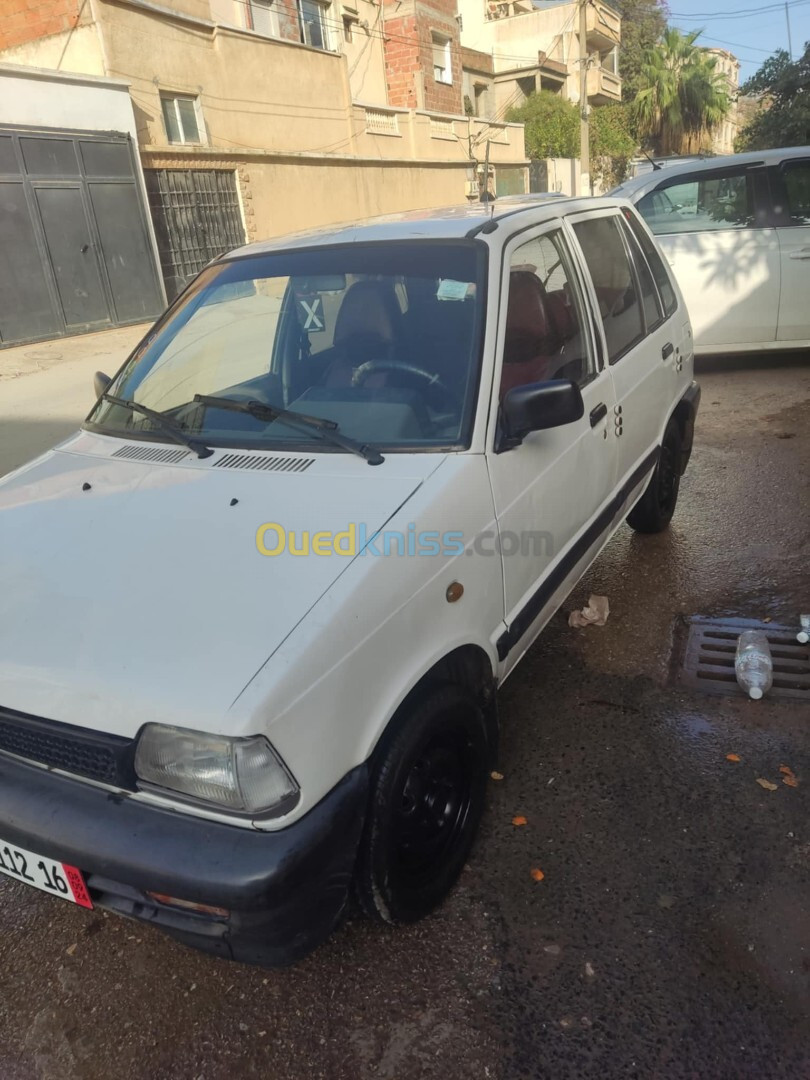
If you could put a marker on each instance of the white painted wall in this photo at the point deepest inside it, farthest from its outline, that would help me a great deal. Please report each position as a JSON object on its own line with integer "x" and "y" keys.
{"x": 34, "y": 97}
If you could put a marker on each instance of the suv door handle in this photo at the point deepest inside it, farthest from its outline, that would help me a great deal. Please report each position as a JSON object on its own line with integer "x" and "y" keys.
{"x": 800, "y": 253}
{"x": 667, "y": 350}
{"x": 598, "y": 413}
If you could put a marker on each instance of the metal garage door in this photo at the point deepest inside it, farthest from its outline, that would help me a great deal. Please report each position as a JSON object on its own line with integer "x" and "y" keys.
{"x": 196, "y": 215}
{"x": 75, "y": 253}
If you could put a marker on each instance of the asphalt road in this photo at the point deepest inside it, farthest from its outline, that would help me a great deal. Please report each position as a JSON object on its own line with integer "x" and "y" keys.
{"x": 670, "y": 936}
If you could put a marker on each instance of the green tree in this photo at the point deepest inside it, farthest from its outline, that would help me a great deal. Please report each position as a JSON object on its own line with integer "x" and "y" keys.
{"x": 613, "y": 143}
{"x": 552, "y": 131}
{"x": 643, "y": 23}
{"x": 551, "y": 124}
{"x": 783, "y": 115}
{"x": 768, "y": 74}
{"x": 682, "y": 97}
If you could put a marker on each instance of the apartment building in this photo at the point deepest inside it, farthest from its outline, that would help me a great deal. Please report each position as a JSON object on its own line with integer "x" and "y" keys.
{"x": 535, "y": 45}
{"x": 725, "y": 133}
{"x": 154, "y": 134}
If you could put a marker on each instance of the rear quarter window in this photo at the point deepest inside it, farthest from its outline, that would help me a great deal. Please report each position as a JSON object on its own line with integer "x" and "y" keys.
{"x": 655, "y": 262}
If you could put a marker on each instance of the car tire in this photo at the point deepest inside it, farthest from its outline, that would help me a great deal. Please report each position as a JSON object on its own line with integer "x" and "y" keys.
{"x": 428, "y": 783}
{"x": 653, "y": 512}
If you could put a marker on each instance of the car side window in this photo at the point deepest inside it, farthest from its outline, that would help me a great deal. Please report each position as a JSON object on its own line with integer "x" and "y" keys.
{"x": 655, "y": 262}
{"x": 797, "y": 188}
{"x": 701, "y": 202}
{"x": 545, "y": 322}
{"x": 614, "y": 283}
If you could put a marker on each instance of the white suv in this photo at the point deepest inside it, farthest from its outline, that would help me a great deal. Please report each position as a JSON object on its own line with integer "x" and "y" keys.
{"x": 253, "y": 616}
{"x": 736, "y": 232}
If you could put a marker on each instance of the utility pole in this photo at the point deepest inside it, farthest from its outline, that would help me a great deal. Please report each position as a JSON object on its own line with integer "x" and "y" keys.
{"x": 584, "y": 134}
{"x": 787, "y": 19}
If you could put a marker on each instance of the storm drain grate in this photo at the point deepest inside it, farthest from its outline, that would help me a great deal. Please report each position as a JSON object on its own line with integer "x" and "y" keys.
{"x": 709, "y": 660}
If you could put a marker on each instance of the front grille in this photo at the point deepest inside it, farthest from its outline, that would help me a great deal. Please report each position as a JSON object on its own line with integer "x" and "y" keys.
{"x": 106, "y": 758}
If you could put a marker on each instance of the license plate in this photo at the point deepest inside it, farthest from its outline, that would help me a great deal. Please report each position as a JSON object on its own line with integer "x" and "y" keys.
{"x": 49, "y": 876}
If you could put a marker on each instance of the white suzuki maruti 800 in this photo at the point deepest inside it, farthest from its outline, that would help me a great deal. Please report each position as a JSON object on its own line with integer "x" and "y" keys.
{"x": 254, "y": 614}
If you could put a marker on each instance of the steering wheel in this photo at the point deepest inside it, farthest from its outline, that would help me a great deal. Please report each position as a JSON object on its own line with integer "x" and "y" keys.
{"x": 432, "y": 384}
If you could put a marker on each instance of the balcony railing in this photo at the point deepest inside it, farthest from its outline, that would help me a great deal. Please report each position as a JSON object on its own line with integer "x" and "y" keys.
{"x": 382, "y": 122}
{"x": 604, "y": 25}
{"x": 603, "y": 86}
{"x": 419, "y": 134}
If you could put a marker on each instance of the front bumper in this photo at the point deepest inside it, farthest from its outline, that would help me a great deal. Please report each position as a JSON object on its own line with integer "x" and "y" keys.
{"x": 284, "y": 890}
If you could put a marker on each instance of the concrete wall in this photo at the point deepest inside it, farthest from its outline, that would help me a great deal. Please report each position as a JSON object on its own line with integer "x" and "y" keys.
{"x": 71, "y": 50}
{"x": 254, "y": 92}
{"x": 281, "y": 195}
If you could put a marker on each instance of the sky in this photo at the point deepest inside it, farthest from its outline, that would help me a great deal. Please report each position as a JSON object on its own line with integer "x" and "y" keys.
{"x": 750, "y": 30}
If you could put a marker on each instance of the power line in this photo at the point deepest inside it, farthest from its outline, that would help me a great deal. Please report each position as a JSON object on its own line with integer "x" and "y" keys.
{"x": 735, "y": 44}
{"x": 742, "y": 13}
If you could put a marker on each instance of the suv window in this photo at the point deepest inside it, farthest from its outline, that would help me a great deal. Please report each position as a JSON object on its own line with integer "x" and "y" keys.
{"x": 614, "y": 282}
{"x": 545, "y": 337}
{"x": 797, "y": 189}
{"x": 700, "y": 203}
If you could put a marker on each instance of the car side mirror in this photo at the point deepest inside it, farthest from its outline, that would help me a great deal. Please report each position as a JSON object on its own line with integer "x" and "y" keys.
{"x": 101, "y": 383}
{"x": 536, "y": 407}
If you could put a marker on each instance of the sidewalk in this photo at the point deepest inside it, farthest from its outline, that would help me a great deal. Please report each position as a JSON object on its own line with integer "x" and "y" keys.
{"x": 46, "y": 389}
{"x": 108, "y": 347}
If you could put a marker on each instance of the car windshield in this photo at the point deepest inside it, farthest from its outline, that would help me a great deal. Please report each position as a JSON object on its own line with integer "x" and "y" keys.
{"x": 381, "y": 339}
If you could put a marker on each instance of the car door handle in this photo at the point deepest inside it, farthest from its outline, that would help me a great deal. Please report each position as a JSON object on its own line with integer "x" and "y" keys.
{"x": 599, "y": 412}
{"x": 801, "y": 253}
{"x": 667, "y": 350}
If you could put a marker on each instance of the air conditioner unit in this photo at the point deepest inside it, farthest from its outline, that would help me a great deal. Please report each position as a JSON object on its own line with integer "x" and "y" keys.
{"x": 472, "y": 189}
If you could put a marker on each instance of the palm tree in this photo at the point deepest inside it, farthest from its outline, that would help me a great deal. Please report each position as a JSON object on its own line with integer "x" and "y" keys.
{"x": 683, "y": 97}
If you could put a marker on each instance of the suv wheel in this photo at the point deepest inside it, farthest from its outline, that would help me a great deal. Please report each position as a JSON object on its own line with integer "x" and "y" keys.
{"x": 654, "y": 510}
{"x": 427, "y": 796}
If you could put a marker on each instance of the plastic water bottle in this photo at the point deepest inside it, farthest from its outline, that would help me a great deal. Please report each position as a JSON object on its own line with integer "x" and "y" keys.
{"x": 753, "y": 664}
{"x": 804, "y": 634}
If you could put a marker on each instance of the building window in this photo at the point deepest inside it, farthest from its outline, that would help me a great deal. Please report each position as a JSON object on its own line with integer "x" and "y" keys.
{"x": 442, "y": 64}
{"x": 348, "y": 23}
{"x": 181, "y": 118}
{"x": 263, "y": 17}
{"x": 314, "y": 31}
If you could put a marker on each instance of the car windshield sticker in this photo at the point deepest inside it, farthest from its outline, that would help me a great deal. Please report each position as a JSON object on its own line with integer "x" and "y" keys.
{"x": 452, "y": 290}
{"x": 311, "y": 314}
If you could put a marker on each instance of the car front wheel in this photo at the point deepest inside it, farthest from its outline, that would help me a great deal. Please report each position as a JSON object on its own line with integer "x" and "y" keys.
{"x": 427, "y": 795}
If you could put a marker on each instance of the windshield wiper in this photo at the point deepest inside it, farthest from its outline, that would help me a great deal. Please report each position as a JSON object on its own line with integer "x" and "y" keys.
{"x": 164, "y": 423}
{"x": 299, "y": 422}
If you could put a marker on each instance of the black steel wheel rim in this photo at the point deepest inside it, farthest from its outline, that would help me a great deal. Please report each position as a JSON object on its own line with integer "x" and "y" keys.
{"x": 431, "y": 814}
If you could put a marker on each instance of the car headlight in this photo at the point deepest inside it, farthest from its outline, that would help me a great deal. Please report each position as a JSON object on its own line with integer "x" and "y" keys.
{"x": 244, "y": 775}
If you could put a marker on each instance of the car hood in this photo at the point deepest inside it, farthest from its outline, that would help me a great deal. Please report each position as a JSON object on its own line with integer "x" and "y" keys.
{"x": 133, "y": 592}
